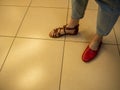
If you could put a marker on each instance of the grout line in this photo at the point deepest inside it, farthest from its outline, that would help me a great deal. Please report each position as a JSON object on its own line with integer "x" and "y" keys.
{"x": 35, "y": 6}
{"x": 15, "y": 5}
{"x": 67, "y": 13}
{"x": 61, "y": 72}
{"x": 7, "y": 36}
{"x": 89, "y": 42}
{"x": 7, "y": 55}
{"x": 14, "y": 38}
{"x": 89, "y": 9}
{"x": 41, "y": 38}
{"x": 43, "y": 6}
{"x": 48, "y": 7}
{"x": 22, "y": 19}
{"x": 62, "y": 39}
{"x": 116, "y": 41}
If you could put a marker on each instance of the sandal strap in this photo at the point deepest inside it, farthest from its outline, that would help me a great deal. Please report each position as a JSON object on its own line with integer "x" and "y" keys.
{"x": 64, "y": 28}
{"x": 74, "y": 28}
{"x": 58, "y": 31}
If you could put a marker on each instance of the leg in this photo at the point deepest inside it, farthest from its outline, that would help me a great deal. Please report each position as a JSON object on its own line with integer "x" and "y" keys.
{"x": 78, "y": 10}
{"x": 107, "y": 16}
{"x": 106, "y": 19}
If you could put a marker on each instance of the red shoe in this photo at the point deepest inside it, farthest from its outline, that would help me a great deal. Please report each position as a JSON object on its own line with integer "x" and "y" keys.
{"x": 90, "y": 54}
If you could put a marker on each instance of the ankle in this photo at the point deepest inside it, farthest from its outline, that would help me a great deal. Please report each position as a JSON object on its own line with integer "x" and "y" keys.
{"x": 73, "y": 23}
{"x": 97, "y": 38}
{"x": 95, "y": 42}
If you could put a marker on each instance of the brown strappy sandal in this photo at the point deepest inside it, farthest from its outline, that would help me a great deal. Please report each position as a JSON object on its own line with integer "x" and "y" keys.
{"x": 61, "y": 31}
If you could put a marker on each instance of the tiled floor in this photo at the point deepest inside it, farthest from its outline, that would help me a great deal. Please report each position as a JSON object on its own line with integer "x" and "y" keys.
{"x": 31, "y": 60}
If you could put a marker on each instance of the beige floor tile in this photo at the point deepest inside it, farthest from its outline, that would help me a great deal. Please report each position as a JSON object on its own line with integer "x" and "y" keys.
{"x": 15, "y": 2}
{"x": 117, "y": 30}
{"x": 40, "y": 21}
{"x": 87, "y": 29}
{"x": 91, "y": 5}
{"x": 11, "y": 18}
{"x": 4, "y": 47}
{"x": 100, "y": 74}
{"x": 50, "y": 3}
{"x": 32, "y": 65}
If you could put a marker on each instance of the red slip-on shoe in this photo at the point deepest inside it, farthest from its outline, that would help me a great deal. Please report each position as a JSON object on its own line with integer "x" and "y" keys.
{"x": 90, "y": 54}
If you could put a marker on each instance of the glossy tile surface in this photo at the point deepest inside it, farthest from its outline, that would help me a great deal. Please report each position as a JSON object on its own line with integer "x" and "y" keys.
{"x": 5, "y": 44}
{"x": 31, "y": 60}
{"x": 15, "y": 2}
{"x": 30, "y": 67}
{"x": 11, "y": 18}
{"x": 100, "y": 74}
{"x": 50, "y": 3}
{"x": 40, "y": 21}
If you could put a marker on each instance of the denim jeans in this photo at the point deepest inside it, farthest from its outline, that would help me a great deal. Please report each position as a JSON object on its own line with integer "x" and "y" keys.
{"x": 108, "y": 13}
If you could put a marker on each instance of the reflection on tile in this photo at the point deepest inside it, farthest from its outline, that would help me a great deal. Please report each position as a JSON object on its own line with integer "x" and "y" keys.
{"x": 100, "y": 74}
{"x": 87, "y": 29}
{"x": 32, "y": 65}
{"x": 110, "y": 38}
{"x": 15, "y": 2}
{"x": 35, "y": 64}
{"x": 4, "y": 47}
{"x": 11, "y": 18}
{"x": 50, "y": 3}
{"x": 117, "y": 30}
{"x": 40, "y": 21}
